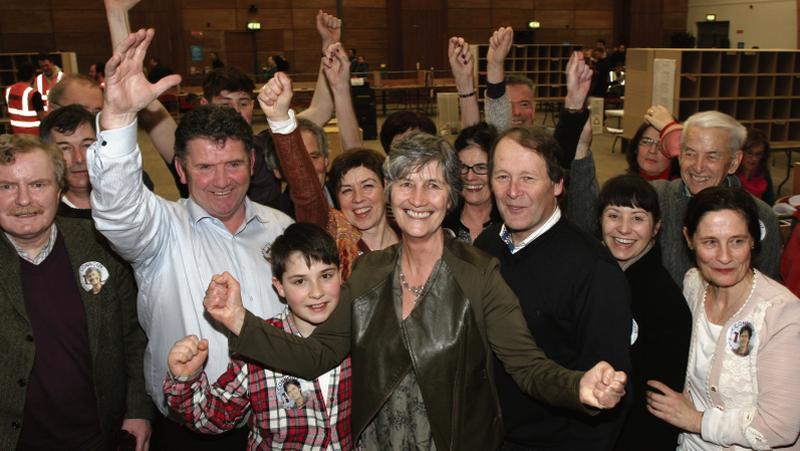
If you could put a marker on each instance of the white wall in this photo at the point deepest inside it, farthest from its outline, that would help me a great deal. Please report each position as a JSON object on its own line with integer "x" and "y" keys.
{"x": 764, "y": 23}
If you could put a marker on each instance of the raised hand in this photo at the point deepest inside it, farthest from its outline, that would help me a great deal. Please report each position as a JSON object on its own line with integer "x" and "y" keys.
{"x": 461, "y": 62}
{"x": 276, "y": 97}
{"x": 579, "y": 80}
{"x": 187, "y": 356}
{"x": 336, "y": 67}
{"x": 658, "y": 116}
{"x": 500, "y": 45}
{"x": 127, "y": 89}
{"x": 223, "y": 301}
{"x": 673, "y": 407}
{"x": 602, "y": 387}
{"x": 329, "y": 28}
{"x": 584, "y": 141}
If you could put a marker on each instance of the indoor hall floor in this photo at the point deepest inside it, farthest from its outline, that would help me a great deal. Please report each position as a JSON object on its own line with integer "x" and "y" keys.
{"x": 608, "y": 164}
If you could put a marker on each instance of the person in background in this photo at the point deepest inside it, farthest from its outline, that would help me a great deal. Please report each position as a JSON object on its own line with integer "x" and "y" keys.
{"x": 754, "y": 173}
{"x": 98, "y": 72}
{"x": 630, "y": 219}
{"x": 400, "y": 123}
{"x": 216, "y": 62}
{"x": 645, "y": 157}
{"x": 24, "y": 102}
{"x": 49, "y": 76}
{"x": 737, "y": 395}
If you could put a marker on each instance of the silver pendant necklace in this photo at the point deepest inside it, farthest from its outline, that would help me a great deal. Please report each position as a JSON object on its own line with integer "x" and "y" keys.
{"x": 416, "y": 291}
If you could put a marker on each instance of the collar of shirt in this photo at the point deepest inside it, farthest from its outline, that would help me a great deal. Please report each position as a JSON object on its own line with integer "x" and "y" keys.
{"x": 197, "y": 213}
{"x": 505, "y": 233}
{"x": 48, "y": 247}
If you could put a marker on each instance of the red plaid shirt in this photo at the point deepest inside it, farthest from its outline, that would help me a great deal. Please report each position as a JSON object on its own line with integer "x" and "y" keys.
{"x": 274, "y": 421}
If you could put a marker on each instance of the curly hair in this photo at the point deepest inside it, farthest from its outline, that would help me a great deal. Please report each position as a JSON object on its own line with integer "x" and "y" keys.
{"x": 12, "y": 145}
{"x": 213, "y": 123}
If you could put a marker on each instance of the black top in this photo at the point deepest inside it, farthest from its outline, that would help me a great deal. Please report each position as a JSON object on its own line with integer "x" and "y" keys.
{"x": 576, "y": 302}
{"x": 461, "y": 232}
{"x": 660, "y": 351}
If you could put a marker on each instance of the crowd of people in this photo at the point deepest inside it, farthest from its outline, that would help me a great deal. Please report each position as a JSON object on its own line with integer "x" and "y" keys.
{"x": 476, "y": 296}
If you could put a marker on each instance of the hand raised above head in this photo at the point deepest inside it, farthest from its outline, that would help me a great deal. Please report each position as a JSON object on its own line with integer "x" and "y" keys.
{"x": 223, "y": 301}
{"x": 579, "y": 80}
{"x": 499, "y": 45}
{"x": 329, "y": 28}
{"x": 275, "y": 97}
{"x": 461, "y": 62}
{"x": 336, "y": 66}
{"x": 124, "y": 5}
{"x": 127, "y": 90}
{"x": 602, "y": 387}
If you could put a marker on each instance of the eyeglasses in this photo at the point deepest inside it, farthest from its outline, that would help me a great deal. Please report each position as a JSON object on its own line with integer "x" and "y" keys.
{"x": 648, "y": 142}
{"x": 478, "y": 169}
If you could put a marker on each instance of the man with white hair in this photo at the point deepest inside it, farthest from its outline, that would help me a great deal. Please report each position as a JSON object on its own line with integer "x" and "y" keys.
{"x": 711, "y": 151}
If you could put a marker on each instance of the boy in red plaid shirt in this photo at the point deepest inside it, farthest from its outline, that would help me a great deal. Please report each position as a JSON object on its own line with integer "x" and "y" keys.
{"x": 285, "y": 412}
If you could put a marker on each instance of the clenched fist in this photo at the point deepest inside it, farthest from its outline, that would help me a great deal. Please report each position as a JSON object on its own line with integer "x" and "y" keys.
{"x": 187, "y": 356}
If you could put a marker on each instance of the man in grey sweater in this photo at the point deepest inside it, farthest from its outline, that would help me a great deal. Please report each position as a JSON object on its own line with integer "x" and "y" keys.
{"x": 711, "y": 144}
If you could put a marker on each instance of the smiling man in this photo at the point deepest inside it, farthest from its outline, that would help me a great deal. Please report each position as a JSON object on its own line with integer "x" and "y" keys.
{"x": 175, "y": 247}
{"x": 711, "y": 152}
{"x": 569, "y": 287}
{"x": 72, "y": 372}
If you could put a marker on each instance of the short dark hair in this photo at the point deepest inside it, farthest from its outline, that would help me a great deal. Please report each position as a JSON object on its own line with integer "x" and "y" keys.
{"x": 100, "y": 67}
{"x": 226, "y": 78}
{"x": 25, "y": 71}
{"x": 535, "y": 139}
{"x": 44, "y": 56}
{"x": 756, "y": 138}
{"x": 482, "y": 134}
{"x": 214, "y": 123}
{"x": 719, "y": 198}
{"x": 632, "y": 155}
{"x": 354, "y": 158}
{"x": 402, "y": 121}
{"x": 65, "y": 120}
{"x": 310, "y": 240}
{"x": 628, "y": 190}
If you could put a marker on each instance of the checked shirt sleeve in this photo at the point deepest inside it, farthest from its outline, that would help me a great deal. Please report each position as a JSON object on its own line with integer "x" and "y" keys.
{"x": 207, "y": 408}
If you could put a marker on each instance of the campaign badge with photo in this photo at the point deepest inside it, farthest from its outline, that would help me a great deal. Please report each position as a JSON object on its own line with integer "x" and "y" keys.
{"x": 295, "y": 393}
{"x": 92, "y": 276}
{"x": 742, "y": 338}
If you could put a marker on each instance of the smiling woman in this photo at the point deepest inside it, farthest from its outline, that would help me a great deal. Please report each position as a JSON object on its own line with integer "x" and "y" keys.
{"x": 630, "y": 219}
{"x": 427, "y": 313}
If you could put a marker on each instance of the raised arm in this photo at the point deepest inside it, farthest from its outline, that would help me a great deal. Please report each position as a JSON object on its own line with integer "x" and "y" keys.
{"x": 574, "y": 115}
{"x": 463, "y": 65}
{"x": 295, "y": 164}
{"x": 154, "y": 118}
{"x": 321, "y": 108}
{"x": 582, "y": 188}
{"x": 497, "y": 106}
{"x": 337, "y": 71}
{"x": 669, "y": 130}
{"x": 123, "y": 210}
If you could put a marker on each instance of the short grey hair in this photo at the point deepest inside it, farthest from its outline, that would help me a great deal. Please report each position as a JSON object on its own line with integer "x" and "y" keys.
{"x": 515, "y": 79}
{"x": 737, "y": 133}
{"x": 414, "y": 151}
{"x": 319, "y": 134}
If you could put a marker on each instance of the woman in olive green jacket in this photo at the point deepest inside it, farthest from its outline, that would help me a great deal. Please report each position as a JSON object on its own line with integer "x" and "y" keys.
{"x": 421, "y": 320}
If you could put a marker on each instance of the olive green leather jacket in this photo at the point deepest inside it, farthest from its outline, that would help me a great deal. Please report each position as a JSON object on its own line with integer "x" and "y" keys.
{"x": 447, "y": 340}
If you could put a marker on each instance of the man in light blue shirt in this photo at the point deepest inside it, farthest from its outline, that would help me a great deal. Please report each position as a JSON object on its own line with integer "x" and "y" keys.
{"x": 176, "y": 247}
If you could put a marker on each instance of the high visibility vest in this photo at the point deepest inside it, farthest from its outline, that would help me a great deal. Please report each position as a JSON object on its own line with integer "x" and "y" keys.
{"x": 43, "y": 86}
{"x": 19, "y": 98}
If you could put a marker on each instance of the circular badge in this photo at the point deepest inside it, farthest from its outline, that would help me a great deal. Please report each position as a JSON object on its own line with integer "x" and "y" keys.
{"x": 295, "y": 393}
{"x": 92, "y": 276}
{"x": 741, "y": 338}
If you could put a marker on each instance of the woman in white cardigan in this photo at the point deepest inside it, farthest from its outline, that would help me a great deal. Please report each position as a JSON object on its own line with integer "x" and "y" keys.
{"x": 742, "y": 389}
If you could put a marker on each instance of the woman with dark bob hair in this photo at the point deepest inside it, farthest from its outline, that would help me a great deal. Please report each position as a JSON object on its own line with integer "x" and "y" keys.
{"x": 478, "y": 210}
{"x": 422, "y": 321}
{"x": 630, "y": 219}
{"x": 742, "y": 389}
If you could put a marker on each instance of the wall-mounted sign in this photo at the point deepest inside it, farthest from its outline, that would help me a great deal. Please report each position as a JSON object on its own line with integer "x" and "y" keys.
{"x": 197, "y": 52}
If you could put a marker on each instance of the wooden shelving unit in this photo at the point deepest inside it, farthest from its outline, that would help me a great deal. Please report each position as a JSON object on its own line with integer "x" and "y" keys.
{"x": 9, "y": 63}
{"x": 542, "y": 63}
{"x": 760, "y": 88}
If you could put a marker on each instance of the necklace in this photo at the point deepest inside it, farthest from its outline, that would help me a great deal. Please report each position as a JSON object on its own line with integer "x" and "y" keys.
{"x": 416, "y": 291}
